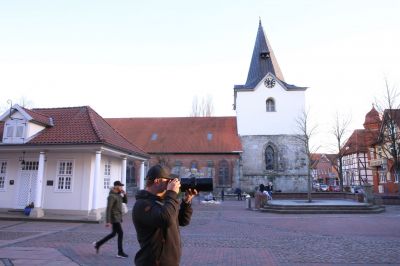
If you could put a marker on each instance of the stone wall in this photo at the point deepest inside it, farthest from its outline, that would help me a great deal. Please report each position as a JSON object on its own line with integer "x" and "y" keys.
{"x": 289, "y": 173}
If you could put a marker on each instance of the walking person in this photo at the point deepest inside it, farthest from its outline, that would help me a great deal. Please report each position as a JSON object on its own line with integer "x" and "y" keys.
{"x": 263, "y": 195}
{"x": 222, "y": 194}
{"x": 269, "y": 188}
{"x": 157, "y": 215}
{"x": 238, "y": 191}
{"x": 115, "y": 199}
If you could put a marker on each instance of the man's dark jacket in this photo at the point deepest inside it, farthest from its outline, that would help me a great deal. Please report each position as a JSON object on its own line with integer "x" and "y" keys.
{"x": 157, "y": 224}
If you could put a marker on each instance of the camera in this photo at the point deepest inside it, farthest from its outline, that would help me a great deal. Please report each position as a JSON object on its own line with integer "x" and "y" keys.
{"x": 199, "y": 184}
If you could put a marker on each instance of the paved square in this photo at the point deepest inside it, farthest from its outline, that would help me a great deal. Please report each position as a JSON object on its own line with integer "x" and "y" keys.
{"x": 224, "y": 234}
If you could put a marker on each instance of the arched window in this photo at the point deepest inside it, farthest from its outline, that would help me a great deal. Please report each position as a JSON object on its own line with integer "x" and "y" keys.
{"x": 269, "y": 158}
{"x": 270, "y": 104}
{"x": 223, "y": 173}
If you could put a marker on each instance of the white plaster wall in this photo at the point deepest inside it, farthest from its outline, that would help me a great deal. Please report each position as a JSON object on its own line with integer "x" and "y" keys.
{"x": 32, "y": 129}
{"x": 78, "y": 198}
{"x": 18, "y": 115}
{"x": 8, "y": 196}
{"x": 253, "y": 119}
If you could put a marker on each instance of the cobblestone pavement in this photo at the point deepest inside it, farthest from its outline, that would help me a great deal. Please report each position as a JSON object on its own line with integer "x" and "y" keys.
{"x": 225, "y": 234}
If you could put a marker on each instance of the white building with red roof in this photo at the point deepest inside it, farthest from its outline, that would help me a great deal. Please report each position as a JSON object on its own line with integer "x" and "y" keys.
{"x": 64, "y": 160}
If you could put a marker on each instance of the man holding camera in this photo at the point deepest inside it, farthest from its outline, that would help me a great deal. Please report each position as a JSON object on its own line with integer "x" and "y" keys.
{"x": 157, "y": 215}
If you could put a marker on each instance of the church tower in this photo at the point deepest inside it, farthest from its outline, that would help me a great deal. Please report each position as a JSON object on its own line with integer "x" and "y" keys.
{"x": 266, "y": 111}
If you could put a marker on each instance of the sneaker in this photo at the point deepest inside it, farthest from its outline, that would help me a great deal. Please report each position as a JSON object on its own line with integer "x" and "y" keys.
{"x": 122, "y": 255}
{"x": 96, "y": 247}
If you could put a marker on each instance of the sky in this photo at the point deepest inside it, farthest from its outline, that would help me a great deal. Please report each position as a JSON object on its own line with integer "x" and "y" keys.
{"x": 151, "y": 58}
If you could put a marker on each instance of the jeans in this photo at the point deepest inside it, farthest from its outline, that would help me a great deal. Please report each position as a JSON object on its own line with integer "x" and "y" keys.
{"x": 116, "y": 229}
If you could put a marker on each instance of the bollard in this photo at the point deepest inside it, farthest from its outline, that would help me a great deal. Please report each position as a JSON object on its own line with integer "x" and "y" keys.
{"x": 248, "y": 202}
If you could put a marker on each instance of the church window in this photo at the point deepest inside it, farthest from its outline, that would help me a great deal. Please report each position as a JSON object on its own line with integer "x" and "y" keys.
{"x": 270, "y": 105}
{"x": 154, "y": 136}
{"x": 269, "y": 158}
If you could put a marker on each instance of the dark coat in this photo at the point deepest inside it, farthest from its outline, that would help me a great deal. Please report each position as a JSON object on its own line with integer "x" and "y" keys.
{"x": 157, "y": 224}
{"x": 114, "y": 207}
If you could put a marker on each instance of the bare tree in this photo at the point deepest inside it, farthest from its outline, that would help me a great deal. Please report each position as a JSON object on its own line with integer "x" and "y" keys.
{"x": 203, "y": 108}
{"x": 389, "y": 136}
{"x": 25, "y": 102}
{"x": 339, "y": 131}
{"x": 306, "y": 132}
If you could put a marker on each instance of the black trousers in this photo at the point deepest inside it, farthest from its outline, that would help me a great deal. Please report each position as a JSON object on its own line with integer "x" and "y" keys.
{"x": 116, "y": 229}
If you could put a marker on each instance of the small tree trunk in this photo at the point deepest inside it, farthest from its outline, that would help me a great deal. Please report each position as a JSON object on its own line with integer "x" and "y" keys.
{"x": 309, "y": 184}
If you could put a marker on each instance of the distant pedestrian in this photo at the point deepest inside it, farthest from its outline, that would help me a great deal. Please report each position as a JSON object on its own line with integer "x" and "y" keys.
{"x": 222, "y": 194}
{"x": 115, "y": 199}
{"x": 269, "y": 188}
{"x": 263, "y": 195}
{"x": 238, "y": 191}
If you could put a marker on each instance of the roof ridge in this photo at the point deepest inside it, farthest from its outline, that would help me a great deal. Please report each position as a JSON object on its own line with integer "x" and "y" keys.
{"x": 35, "y": 111}
{"x": 117, "y": 132}
{"x": 172, "y": 117}
{"x": 93, "y": 123}
{"x": 48, "y": 120}
{"x": 52, "y": 108}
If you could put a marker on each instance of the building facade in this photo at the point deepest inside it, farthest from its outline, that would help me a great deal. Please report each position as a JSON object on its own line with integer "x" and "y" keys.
{"x": 324, "y": 169}
{"x": 357, "y": 152}
{"x": 383, "y": 156}
{"x": 266, "y": 111}
{"x": 63, "y": 160}
{"x": 200, "y": 146}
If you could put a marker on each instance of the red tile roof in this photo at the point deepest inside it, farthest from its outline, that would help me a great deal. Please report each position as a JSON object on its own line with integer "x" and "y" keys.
{"x": 181, "y": 134}
{"x": 80, "y": 125}
{"x": 358, "y": 142}
{"x": 316, "y": 157}
{"x": 38, "y": 117}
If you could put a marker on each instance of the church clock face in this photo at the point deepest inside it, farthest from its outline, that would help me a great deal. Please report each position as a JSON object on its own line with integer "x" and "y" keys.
{"x": 269, "y": 82}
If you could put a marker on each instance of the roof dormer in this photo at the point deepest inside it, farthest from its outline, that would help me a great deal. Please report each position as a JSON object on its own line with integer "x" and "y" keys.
{"x": 21, "y": 124}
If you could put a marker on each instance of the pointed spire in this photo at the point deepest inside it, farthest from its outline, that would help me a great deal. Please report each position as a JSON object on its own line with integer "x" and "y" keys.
{"x": 262, "y": 61}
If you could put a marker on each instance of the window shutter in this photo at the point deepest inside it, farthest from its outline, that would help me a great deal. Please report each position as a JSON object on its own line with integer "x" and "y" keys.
{"x": 20, "y": 132}
{"x": 10, "y": 131}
